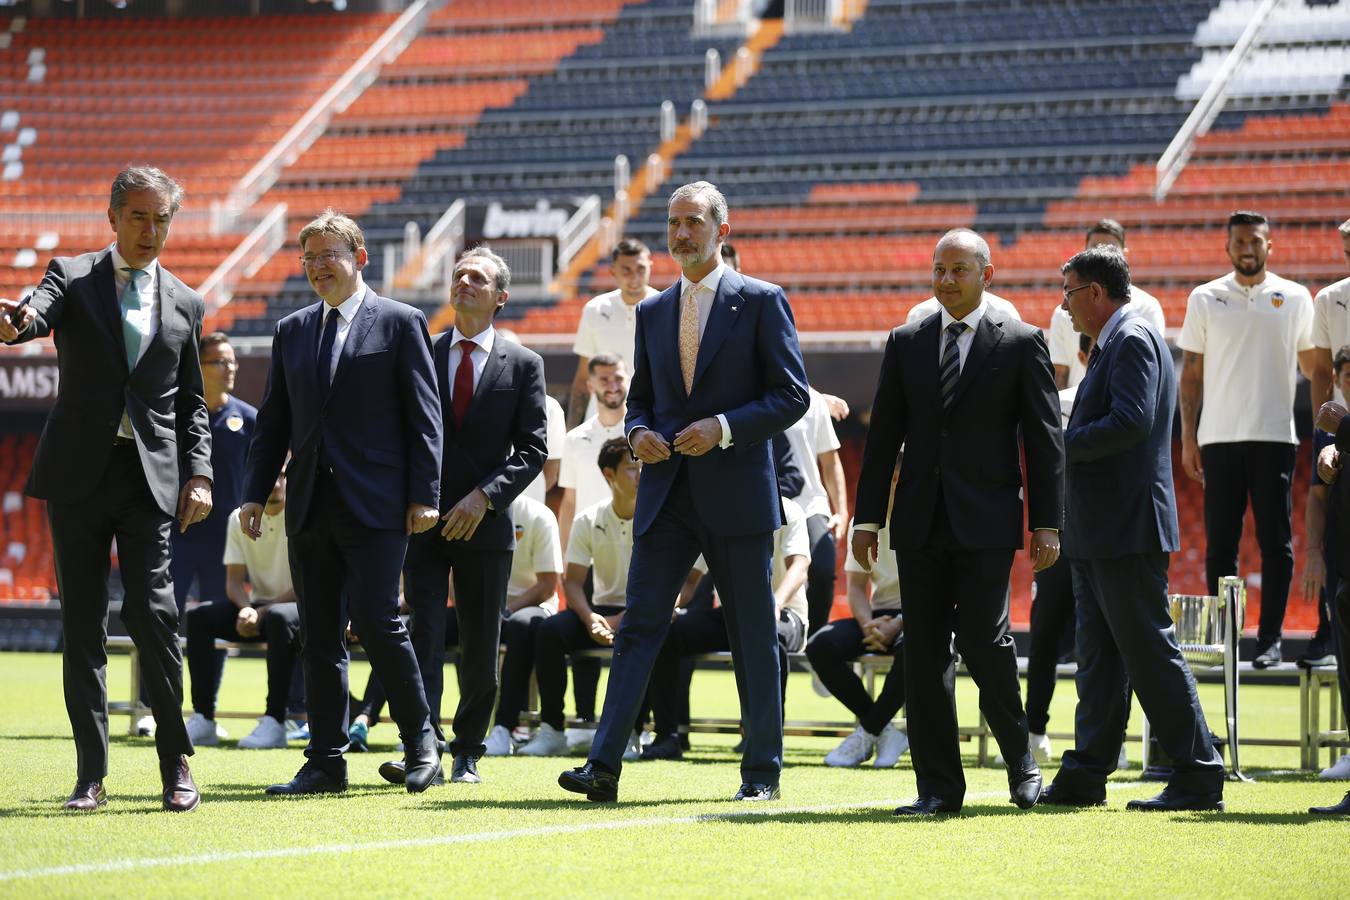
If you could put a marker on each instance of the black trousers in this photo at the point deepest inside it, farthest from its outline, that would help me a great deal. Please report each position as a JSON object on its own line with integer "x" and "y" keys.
{"x": 951, "y": 590}
{"x": 481, "y": 577}
{"x": 820, "y": 576}
{"x": 1052, "y": 629}
{"x": 345, "y": 571}
{"x": 1340, "y": 618}
{"x": 280, "y": 628}
{"x": 1126, "y": 640}
{"x": 1265, "y": 471}
{"x": 82, "y": 534}
{"x": 555, "y": 637}
{"x": 372, "y": 702}
{"x": 519, "y": 633}
{"x": 586, "y": 669}
{"x": 832, "y": 651}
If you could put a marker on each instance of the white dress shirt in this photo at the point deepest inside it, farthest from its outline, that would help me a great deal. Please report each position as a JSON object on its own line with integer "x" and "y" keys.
{"x": 145, "y": 320}
{"x": 347, "y": 311}
{"x": 483, "y": 342}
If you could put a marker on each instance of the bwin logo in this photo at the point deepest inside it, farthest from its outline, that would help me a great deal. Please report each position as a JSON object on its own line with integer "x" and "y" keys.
{"x": 541, "y": 222}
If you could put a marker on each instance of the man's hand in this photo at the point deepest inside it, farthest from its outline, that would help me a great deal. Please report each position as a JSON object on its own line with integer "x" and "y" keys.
{"x": 838, "y": 525}
{"x": 421, "y": 518}
{"x": 1044, "y": 549}
{"x": 1190, "y": 460}
{"x": 246, "y": 623}
{"x": 1329, "y": 416}
{"x": 649, "y": 446}
{"x": 462, "y": 521}
{"x": 10, "y": 325}
{"x": 600, "y": 630}
{"x": 250, "y": 520}
{"x": 194, "y": 502}
{"x": 1314, "y": 574}
{"x": 837, "y": 405}
{"x": 879, "y": 634}
{"x": 700, "y": 437}
{"x": 865, "y": 548}
{"x": 1329, "y": 464}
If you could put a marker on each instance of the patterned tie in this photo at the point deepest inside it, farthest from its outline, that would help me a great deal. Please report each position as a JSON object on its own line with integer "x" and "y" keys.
{"x": 950, "y": 370}
{"x": 689, "y": 336}
{"x": 131, "y": 302}
{"x": 1092, "y": 357}
{"x": 463, "y": 381}
{"x": 326, "y": 350}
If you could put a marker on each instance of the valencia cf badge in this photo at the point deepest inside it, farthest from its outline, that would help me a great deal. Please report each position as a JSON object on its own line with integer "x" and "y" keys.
{"x": 520, "y": 532}
{"x": 234, "y": 422}
{"x": 1277, "y": 299}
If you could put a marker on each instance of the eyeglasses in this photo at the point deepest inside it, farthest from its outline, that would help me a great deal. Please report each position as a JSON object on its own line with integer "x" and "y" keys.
{"x": 221, "y": 363}
{"x": 327, "y": 257}
{"x": 1069, "y": 292}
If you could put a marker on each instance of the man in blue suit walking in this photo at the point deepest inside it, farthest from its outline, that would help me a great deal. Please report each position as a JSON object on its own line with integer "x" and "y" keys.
{"x": 1120, "y": 526}
{"x": 352, "y": 394}
{"x": 717, "y": 373}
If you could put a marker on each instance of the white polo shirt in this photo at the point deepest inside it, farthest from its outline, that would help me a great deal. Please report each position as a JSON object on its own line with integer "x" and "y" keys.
{"x": 1331, "y": 321}
{"x": 791, "y": 539}
{"x": 1063, "y": 339}
{"x": 607, "y": 326}
{"x": 810, "y": 436}
{"x": 933, "y": 305}
{"x": 1251, "y": 338}
{"x": 581, "y": 450}
{"x": 604, "y": 542}
{"x": 885, "y": 575}
{"x": 266, "y": 560}
{"x": 537, "y": 549}
{"x": 557, "y": 430}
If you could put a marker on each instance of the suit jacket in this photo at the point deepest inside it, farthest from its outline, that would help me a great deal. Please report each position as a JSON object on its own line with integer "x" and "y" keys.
{"x": 162, "y": 395}
{"x": 502, "y": 444}
{"x": 1119, "y": 447}
{"x": 379, "y": 428}
{"x": 750, "y": 370}
{"x": 968, "y": 453}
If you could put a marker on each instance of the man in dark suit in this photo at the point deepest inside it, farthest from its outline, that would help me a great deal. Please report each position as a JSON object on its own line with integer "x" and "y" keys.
{"x": 717, "y": 373}
{"x": 495, "y": 424}
{"x": 352, "y": 395}
{"x": 1120, "y": 526}
{"x": 126, "y": 449}
{"x": 957, "y": 389}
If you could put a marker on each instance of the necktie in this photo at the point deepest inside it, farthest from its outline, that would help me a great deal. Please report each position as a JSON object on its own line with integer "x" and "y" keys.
{"x": 689, "y": 336}
{"x": 950, "y": 370}
{"x": 1092, "y": 357}
{"x": 463, "y": 381}
{"x": 131, "y": 301}
{"x": 326, "y": 350}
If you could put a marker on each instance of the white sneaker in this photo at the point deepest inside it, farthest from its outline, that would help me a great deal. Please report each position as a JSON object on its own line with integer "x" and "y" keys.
{"x": 579, "y": 740}
{"x": 818, "y": 686}
{"x": 1124, "y": 761}
{"x": 499, "y": 742}
{"x": 547, "y": 741}
{"x": 1040, "y": 748}
{"x": 268, "y": 734}
{"x": 1338, "y": 771}
{"x": 633, "y": 752}
{"x": 855, "y": 749}
{"x": 520, "y": 734}
{"x": 891, "y": 744}
{"x": 202, "y": 731}
{"x": 647, "y": 738}
{"x": 145, "y": 726}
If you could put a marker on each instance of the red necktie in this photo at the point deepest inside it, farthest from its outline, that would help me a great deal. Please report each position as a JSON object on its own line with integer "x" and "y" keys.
{"x": 463, "y": 381}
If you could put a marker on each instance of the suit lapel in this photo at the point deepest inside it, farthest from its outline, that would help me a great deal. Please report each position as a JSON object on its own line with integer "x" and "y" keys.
{"x": 726, "y": 307}
{"x": 666, "y": 316}
{"x": 167, "y": 305}
{"x": 492, "y": 370}
{"x": 356, "y": 336}
{"x": 440, "y": 358}
{"x": 1090, "y": 377}
{"x": 108, "y": 309}
{"x": 987, "y": 336}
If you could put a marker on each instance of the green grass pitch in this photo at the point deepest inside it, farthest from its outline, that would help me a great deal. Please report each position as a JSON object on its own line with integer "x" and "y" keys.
{"x": 674, "y": 833}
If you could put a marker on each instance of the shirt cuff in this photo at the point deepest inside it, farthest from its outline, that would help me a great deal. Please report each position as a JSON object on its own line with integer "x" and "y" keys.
{"x": 873, "y": 527}
{"x": 726, "y": 432}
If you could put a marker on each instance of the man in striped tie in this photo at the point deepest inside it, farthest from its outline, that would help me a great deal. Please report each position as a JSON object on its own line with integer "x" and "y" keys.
{"x": 965, "y": 390}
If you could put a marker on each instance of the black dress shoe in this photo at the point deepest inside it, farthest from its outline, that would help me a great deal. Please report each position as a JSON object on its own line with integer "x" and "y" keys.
{"x": 464, "y": 770}
{"x": 1171, "y": 800}
{"x": 1024, "y": 788}
{"x": 667, "y": 746}
{"x": 180, "y": 791}
{"x": 1059, "y": 795}
{"x": 1336, "y": 809}
{"x": 422, "y": 764}
{"x": 929, "y": 806}
{"x": 310, "y": 780}
{"x": 394, "y": 771}
{"x": 87, "y": 797}
{"x": 597, "y": 784}
{"x": 758, "y": 792}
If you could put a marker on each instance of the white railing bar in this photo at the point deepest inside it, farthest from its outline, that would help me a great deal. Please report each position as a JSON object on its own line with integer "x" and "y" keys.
{"x": 246, "y": 259}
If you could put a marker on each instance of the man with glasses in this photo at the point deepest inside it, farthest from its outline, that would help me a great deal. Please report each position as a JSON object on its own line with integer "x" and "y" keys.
{"x": 351, "y": 393}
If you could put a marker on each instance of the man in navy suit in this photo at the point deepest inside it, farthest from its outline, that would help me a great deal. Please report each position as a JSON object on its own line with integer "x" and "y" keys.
{"x": 1120, "y": 526}
{"x": 717, "y": 373}
{"x": 352, "y": 395}
{"x": 495, "y": 423}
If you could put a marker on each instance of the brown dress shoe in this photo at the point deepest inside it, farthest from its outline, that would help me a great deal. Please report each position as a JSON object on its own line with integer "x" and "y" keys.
{"x": 180, "y": 793}
{"x": 87, "y": 796}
